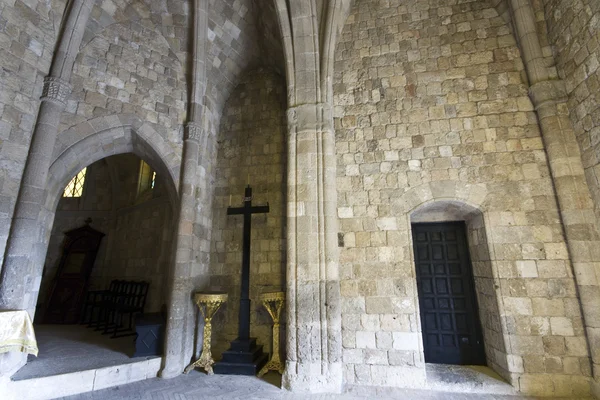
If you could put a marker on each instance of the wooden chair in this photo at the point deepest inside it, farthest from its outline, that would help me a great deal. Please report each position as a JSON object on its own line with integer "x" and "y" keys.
{"x": 130, "y": 302}
{"x": 95, "y": 301}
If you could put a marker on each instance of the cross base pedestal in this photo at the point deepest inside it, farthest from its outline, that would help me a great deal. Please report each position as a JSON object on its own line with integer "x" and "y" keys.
{"x": 244, "y": 357}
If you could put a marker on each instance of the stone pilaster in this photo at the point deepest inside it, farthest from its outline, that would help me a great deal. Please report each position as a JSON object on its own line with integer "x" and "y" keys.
{"x": 314, "y": 310}
{"x": 178, "y": 342}
{"x": 25, "y": 248}
{"x": 25, "y": 251}
{"x": 575, "y": 203}
{"x": 19, "y": 272}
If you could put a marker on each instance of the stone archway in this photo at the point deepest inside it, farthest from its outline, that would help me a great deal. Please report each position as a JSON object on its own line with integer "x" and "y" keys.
{"x": 101, "y": 137}
{"x": 82, "y": 145}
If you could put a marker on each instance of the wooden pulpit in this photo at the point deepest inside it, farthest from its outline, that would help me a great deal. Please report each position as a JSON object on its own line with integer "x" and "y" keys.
{"x": 72, "y": 276}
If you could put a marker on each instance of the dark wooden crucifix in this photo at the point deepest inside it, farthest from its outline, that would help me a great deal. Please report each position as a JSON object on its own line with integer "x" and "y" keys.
{"x": 244, "y": 357}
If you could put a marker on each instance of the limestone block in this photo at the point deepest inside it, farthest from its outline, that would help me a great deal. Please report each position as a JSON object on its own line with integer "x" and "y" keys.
{"x": 518, "y": 305}
{"x": 365, "y": 340}
{"x": 527, "y": 269}
{"x": 406, "y": 341}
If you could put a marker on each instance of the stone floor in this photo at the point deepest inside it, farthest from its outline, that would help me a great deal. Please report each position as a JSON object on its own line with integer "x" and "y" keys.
{"x": 105, "y": 362}
{"x": 197, "y": 385}
{"x": 70, "y": 348}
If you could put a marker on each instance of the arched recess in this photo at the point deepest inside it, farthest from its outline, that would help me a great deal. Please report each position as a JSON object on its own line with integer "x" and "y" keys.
{"x": 450, "y": 201}
{"x": 94, "y": 140}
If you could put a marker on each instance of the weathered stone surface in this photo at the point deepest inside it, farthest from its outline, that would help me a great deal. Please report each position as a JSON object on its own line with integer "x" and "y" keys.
{"x": 251, "y": 150}
{"x": 424, "y": 106}
{"x": 447, "y": 120}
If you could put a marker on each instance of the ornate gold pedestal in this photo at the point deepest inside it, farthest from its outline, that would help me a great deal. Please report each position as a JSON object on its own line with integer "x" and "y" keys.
{"x": 208, "y": 303}
{"x": 273, "y": 302}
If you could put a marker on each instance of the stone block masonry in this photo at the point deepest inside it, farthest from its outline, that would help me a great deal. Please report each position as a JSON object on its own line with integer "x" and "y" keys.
{"x": 431, "y": 105}
{"x": 573, "y": 29}
{"x": 28, "y": 33}
{"x": 251, "y": 145}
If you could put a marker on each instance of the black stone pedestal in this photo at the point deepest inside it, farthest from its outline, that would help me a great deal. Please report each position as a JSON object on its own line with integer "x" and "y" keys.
{"x": 244, "y": 357}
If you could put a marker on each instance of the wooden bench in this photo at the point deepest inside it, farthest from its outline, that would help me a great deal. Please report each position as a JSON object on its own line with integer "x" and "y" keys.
{"x": 105, "y": 310}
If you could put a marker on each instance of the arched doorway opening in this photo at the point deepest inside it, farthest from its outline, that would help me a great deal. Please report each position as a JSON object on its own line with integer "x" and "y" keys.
{"x": 123, "y": 198}
{"x": 112, "y": 152}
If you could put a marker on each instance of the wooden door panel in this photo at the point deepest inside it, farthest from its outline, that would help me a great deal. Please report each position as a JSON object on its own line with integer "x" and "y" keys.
{"x": 449, "y": 317}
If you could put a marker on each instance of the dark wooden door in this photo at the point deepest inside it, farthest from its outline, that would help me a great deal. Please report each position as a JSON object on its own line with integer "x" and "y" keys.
{"x": 449, "y": 315}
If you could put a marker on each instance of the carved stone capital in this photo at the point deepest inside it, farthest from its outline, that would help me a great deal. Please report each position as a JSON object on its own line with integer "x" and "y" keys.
{"x": 310, "y": 117}
{"x": 193, "y": 131}
{"x": 55, "y": 89}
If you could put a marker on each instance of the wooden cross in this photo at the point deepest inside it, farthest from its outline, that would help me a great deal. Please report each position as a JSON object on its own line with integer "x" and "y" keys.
{"x": 246, "y": 210}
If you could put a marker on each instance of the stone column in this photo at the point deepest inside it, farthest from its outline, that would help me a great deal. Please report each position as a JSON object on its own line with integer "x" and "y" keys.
{"x": 25, "y": 249}
{"x": 178, "y": 347}
{"x": 575, "y": 204}
{"x": 314, "y": 348}
{"x": 179, "y": 341}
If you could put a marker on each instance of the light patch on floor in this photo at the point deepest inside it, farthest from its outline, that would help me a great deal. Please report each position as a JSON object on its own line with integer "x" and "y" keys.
{"x": 70, "y": 348}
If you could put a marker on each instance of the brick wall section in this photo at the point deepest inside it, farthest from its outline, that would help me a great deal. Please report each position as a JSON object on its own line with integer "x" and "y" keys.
{"x": 431, "y": 104}
{"x": 28, "y": 32}
{"x": 251, "y": 144}
{"x": 573, "y": 28}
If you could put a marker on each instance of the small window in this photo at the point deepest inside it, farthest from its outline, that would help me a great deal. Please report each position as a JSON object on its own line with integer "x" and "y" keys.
{"x": 75, "y": 186}
{"x": 147, "y": 178}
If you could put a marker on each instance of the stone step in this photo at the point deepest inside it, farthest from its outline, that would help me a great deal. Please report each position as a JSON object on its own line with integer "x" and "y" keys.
{"x": 68, "y": 384}
{"x": 466, "y": 379}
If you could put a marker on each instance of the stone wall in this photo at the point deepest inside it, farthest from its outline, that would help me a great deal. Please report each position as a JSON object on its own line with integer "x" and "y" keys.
{"x": 138, "y": 230}
{"x": 573, "y": 28}
{"x": 28, "y": 31}
{"x": 129, "y": 68}
{"x": 142, "y": 248}
{"x": 431, "y": 105}
{"x": 71, "y": 213}
{"x": 252, "y": 147}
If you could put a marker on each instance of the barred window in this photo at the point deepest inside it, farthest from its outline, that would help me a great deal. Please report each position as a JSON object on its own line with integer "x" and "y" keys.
{"x": 75, "y": 186}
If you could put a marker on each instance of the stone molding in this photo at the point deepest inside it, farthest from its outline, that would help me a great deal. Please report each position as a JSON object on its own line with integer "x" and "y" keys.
{"x": 310, "y": 117}
{"x": 55, "y": 89}
{"x": 547, "y": 92}
{"x": 193, "y": 131}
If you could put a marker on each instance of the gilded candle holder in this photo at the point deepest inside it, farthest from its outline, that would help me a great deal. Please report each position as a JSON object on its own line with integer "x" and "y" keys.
{"x": 209, "y": 304}
{"x": 273, "y": 302}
